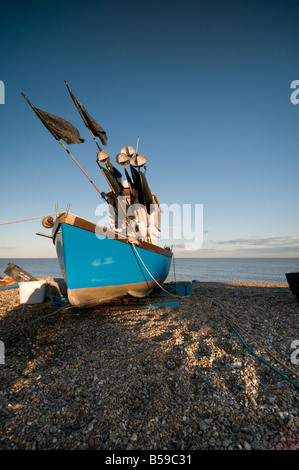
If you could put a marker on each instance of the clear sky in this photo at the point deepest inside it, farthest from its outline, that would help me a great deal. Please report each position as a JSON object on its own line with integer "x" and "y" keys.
{"x": 206, "y": 87}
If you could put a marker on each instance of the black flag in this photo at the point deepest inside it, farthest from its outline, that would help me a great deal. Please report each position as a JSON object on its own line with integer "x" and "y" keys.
{"x": 114, "y": 184}
{"x": 133, "y": 189}
{"x": 59, "y": 128}
{"x": 117, "y": 175}
{"x": 88, "y": 120}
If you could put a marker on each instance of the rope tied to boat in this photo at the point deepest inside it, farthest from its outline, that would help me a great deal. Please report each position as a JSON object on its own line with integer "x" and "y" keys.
{"x": 167, "y": 292}
{"x": 30, "y": 323}
{"x": 31, "y": 218}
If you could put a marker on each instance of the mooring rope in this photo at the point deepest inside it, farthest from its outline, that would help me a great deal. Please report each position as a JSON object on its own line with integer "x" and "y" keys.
{"x": 169, "y": 293}
{"x": 24, "y": 220}
{"x": 29, "y": 323}
{"x": 235, "y": 326}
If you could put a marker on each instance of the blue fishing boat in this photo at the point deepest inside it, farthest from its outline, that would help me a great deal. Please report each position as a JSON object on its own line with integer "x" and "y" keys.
{"x": 99, "y": 264}
{"x": 102, "y": 263}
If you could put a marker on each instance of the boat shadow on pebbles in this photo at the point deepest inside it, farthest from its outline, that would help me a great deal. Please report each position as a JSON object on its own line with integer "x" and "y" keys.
{"x": 131, "y": 376}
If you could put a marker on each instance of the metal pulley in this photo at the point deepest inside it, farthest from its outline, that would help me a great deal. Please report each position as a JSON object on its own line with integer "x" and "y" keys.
{"x": 48, "y": 222}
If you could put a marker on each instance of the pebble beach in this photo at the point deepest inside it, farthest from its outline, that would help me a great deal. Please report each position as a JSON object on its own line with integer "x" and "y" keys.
{"x": 214, "y": 370}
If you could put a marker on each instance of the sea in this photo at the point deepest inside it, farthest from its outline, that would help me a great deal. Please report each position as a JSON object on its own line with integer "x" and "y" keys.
{"x": 268, "y": 270}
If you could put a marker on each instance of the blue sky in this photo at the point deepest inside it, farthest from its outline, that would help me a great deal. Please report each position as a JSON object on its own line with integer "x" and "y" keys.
{"x": 205, "y": 86}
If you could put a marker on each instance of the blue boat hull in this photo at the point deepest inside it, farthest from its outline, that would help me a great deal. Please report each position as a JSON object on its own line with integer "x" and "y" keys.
{"x": 98, "y": 265}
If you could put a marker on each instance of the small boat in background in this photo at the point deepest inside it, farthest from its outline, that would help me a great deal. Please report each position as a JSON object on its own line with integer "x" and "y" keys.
{"x": 293, "y": 281}
{"x": 8, "y": 283}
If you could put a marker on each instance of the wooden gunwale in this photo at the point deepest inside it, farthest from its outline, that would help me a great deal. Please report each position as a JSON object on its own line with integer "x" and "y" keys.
{"x": 76, "y": 221}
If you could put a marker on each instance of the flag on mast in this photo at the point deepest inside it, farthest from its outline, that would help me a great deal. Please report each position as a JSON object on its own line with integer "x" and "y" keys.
{"x": 87, "y": 119}
{"x": 59, "y": 128}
